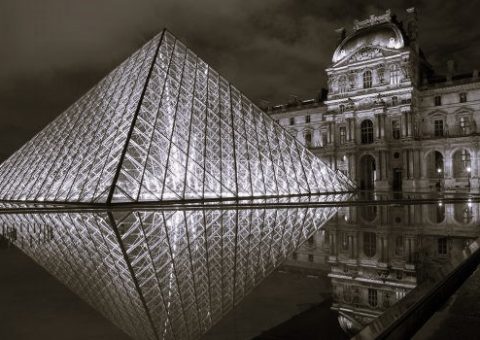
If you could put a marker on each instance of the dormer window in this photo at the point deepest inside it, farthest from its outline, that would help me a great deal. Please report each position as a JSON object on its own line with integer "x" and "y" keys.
{"x": 437, "y": 100}
{"x": 367, "y": 79}
{"x": 292, "y": 121}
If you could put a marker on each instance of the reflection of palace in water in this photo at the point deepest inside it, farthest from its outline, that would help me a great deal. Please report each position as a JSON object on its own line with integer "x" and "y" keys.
{"x": 377, "y": 254}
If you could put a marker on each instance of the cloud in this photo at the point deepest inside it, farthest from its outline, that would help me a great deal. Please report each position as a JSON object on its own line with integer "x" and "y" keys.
{"x": 54, "y": 50}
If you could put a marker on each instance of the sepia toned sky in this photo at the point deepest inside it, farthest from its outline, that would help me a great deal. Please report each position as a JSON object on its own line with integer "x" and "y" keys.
{"x": 52, "y": 51}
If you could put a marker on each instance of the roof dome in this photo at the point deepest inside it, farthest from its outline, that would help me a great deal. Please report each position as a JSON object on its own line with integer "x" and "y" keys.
{"x": 385, "y": 35}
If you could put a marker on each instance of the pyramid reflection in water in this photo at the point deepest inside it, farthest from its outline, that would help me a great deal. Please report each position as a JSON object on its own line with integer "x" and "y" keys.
{"x": 163, "y": 126}
{"x": 163, "y": 274}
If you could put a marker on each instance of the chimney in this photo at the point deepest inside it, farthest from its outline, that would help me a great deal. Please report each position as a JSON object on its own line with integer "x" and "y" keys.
{"x": 412, "y": 28}
{"x": 451, "y": 69}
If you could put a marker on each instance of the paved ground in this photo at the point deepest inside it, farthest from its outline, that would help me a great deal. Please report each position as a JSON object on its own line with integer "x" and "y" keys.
{"x": 459, "y": 318}
{"x": 34, "y": 305}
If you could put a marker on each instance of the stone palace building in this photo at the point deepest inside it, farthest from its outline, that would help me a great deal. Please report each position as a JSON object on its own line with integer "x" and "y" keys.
{"x": 388, "y": 121}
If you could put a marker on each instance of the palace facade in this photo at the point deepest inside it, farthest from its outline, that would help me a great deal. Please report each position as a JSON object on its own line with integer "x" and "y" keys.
{"x": 375, "y": 255}
{"x": 388, "y": 120}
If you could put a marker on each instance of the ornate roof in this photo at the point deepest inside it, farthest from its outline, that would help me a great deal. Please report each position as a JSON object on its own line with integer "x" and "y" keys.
{"x": 386, "y": 35}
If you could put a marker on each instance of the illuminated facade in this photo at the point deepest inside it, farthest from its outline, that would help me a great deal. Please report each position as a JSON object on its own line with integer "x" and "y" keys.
{"x": 163, "y": 126}
{"x": 163, "y": 274}
{"x": 388, "y": 121}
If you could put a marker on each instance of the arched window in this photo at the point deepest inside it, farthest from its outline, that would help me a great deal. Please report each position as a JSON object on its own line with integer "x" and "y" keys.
{"x": 369, "y": 244}
{"x": 367, "y": 79}
{"x": 366, "y": 131}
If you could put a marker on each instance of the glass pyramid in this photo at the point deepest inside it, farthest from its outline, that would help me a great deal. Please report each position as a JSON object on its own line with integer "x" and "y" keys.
{"x": 163, "y": 274}
{"x": 163, "y": 126}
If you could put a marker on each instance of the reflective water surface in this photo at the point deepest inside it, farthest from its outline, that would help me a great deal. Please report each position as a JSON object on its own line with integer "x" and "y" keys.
{"x": 173, "y": 273}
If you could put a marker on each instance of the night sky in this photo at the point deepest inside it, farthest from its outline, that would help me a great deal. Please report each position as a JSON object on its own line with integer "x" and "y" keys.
{"x": 54, "y": 50}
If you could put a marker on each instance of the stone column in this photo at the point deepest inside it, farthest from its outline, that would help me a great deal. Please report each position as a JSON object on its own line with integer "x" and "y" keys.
{"x": 405, "y": 164}
{"x": 411, "y": 167}
{"x": 352, "y": 165}
{"x": 382, "y": 130}
{"x": 377, "y": 126}
{"x": 385, "y": 165}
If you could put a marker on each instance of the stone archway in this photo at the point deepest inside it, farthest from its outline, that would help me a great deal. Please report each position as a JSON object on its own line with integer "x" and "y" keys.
{"x": 367, "y": 172}
{"x": 435, "y": 165}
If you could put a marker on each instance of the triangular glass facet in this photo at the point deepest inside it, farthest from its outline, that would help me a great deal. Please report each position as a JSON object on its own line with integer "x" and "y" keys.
{"x": 163, "y": 126}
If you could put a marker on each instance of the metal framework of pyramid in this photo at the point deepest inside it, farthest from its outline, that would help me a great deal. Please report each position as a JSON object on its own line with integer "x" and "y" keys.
{"x": 163, "y": 126}
{"x": 163, "y": 274}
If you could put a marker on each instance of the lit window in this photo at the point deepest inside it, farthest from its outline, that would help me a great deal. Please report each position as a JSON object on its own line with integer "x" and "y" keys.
{"x": 463, "y": 97}
{"x": 438, "y": 127}
{"x": 396, "y": 129}
{"x": 442, "y": 246}
{"x": 342, "y": 84}
{"x": 438, "y": 100}
{"x": 344, "y": 241}
{"x": 465, "y": 157}
{"x": 307, "y": 119}
{"x": 464, "y": 125}
{"x": 372, "y": 297}
{"x": 367, "y": 79}
{"x": 394, "y": 75}
{"x": 308, "y": 139}
{"x": 292, "y": 121}
{"x": 343, "y": 134}
{"x": 366, "y": 129}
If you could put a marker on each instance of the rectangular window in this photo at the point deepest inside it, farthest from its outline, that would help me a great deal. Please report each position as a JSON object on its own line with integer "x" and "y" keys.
{"x": 394, "y": 75}
{"x": 372, "y": 297}
{"x": 343, "y": 134}
{"x": 394, "y": 101}
{"x": 308, "y": 139}
{"x": 463, "y": 97}
{"x": 307, "y": 119}
{"x": 292, "y": 121}
{"x": 310, "y": 257}
{"x": 442, "y": 246}
{"x": 396, "y": 129}
{"x": 464, "y": 125}
{"x": 438, "y": 100}
{"x": 438, "y": 127}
